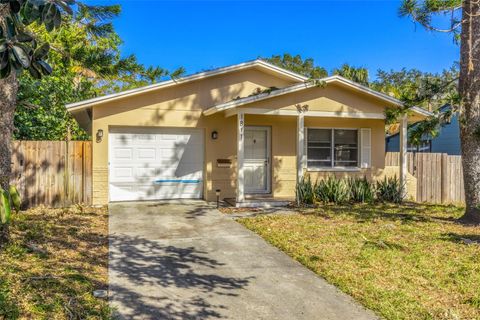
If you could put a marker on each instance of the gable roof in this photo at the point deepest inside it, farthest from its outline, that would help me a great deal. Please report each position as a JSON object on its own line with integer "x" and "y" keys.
{"x": 197, "y": 76}
{"x": 306, "y": 85}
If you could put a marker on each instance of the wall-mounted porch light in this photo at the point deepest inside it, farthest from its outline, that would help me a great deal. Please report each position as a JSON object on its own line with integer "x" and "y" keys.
{"x": 99, "y": 135}
{"x": 214, "y": 135}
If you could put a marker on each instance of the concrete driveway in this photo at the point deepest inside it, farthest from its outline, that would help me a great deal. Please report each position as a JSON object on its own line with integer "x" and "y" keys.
{"x": 185, "y": 260}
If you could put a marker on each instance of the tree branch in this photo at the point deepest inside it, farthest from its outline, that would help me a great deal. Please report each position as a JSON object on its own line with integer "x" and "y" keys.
{"x": 432, "y": 28}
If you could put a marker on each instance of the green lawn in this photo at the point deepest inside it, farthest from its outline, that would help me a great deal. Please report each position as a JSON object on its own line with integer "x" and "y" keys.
{"x": 55, "y": 259}
{"x": 403, "y": 262}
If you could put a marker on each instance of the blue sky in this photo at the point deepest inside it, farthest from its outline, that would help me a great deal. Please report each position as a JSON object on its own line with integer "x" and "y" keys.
{"x": 202, "y": 35}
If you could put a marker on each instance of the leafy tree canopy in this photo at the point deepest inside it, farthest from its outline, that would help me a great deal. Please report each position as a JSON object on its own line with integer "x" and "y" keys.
{"x": 305, "y": 67}
{"x": 86, "y": 61}
{"x": 356, "y": 74}
{"x": 429, "y": 91}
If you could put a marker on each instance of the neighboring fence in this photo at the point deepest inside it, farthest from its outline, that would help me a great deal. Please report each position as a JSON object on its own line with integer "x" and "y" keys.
{"x": 439, "y": 176}
{"x": 52, "y": 173}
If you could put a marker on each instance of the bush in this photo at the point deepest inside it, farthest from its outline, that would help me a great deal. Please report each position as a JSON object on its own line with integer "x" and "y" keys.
{"x": 357, "y": 190}
{"x": 361, "y": 190}
{"x": 331, "y": 190}
{"x": 390, "y": 190}
{"x": 304, "y": 191}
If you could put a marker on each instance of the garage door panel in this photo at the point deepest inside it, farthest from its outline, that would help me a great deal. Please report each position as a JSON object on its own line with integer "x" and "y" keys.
{"x": 156, "y": 163}
{"x": 146, "y": 153}
{"x": 123, "y": 153}
{"x": 147, "y": 139}
{"x": 155, "y": 192}
{"x": 125, "y": 174}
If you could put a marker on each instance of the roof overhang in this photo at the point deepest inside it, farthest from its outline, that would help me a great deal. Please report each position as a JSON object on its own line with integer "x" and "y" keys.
{"x": 416, "y": 114}
{"x": 84, "y": 119}
{"x": 260, "y": 64}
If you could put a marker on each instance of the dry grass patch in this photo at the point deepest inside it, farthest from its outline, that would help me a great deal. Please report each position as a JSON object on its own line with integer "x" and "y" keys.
{"x": 404, "y": 262}
{"x": 55, "y": 259}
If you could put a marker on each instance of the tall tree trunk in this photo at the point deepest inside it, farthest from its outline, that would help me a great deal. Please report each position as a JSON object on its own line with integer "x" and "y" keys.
{"x": 8, "y": 99}
{"x": 8, "y": 96}
{"x": 469, "y": 87}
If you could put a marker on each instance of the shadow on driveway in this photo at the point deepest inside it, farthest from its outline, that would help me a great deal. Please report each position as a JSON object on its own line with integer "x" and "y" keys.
{"x": 143, "y": 263}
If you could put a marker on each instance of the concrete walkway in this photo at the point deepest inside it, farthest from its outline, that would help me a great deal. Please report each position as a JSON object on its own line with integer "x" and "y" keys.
{"x": 185, "y": 260}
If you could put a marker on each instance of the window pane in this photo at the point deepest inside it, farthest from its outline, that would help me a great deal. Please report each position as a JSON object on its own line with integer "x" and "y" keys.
{"x": 346, "y": 158}
{"x": 319, "y": 154}
{"x": 346, "y": 148}
{"x": 319, "y": 135}
{"x": 319, "y": 148}
{"x": 346, "y": 137}
{"x": 318, "y": 164}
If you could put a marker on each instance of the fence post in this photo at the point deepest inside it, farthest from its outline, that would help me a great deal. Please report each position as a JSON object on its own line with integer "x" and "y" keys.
{"x": 444, "y": 179}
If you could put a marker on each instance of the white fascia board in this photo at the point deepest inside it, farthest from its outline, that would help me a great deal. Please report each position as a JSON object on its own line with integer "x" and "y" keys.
{"x": 421, "y": 111}
{"x": 320, "y": 114}
{"x": 197, "y": 76}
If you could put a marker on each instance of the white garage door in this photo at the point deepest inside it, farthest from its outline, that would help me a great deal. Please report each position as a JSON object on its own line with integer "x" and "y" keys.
{"x": 151, "y": 163}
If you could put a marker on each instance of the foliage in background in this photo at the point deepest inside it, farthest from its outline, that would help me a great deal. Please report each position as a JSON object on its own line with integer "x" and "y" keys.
{"x": 305, "y": 67}
{"x": 86, "y": 63}
{"x": 429, "y": 91}
{"x": 422, "y": 89}
{"x": 356, "y": 74}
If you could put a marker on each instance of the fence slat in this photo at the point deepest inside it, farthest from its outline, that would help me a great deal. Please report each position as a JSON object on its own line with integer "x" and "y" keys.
{"x": 439, "y": 176}
{"x": 52, "y": 173}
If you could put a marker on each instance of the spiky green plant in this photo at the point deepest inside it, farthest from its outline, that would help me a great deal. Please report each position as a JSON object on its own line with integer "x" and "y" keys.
{"x": 331, "y": 190}
{"x": 360, "y": 190}
{"x": 304, "y": 191}
{"x": 390, "y": 190}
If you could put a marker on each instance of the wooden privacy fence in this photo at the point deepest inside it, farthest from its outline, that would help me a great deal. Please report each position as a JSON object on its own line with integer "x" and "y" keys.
{"x": 52, "y": 173}
{"x": 439, "y": 176}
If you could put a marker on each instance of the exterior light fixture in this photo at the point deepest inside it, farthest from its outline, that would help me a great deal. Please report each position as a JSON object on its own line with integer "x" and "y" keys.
{"x": 214, "y": 135}
{"x": 217, "y": 193}
{"x": 99, "y": 135}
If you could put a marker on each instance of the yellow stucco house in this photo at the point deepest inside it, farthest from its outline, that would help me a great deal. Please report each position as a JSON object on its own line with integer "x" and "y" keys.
{"x": 248, "y": 130}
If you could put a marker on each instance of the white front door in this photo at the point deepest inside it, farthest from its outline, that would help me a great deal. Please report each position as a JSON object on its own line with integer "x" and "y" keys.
{"x": 257, "y": 160}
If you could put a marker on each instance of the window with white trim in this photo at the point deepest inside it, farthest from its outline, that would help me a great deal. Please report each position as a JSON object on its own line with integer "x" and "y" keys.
{"x": 332, "y": 148}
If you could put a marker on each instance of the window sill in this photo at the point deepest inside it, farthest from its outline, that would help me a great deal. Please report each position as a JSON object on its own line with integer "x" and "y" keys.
{"x": 334, "y": 169}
